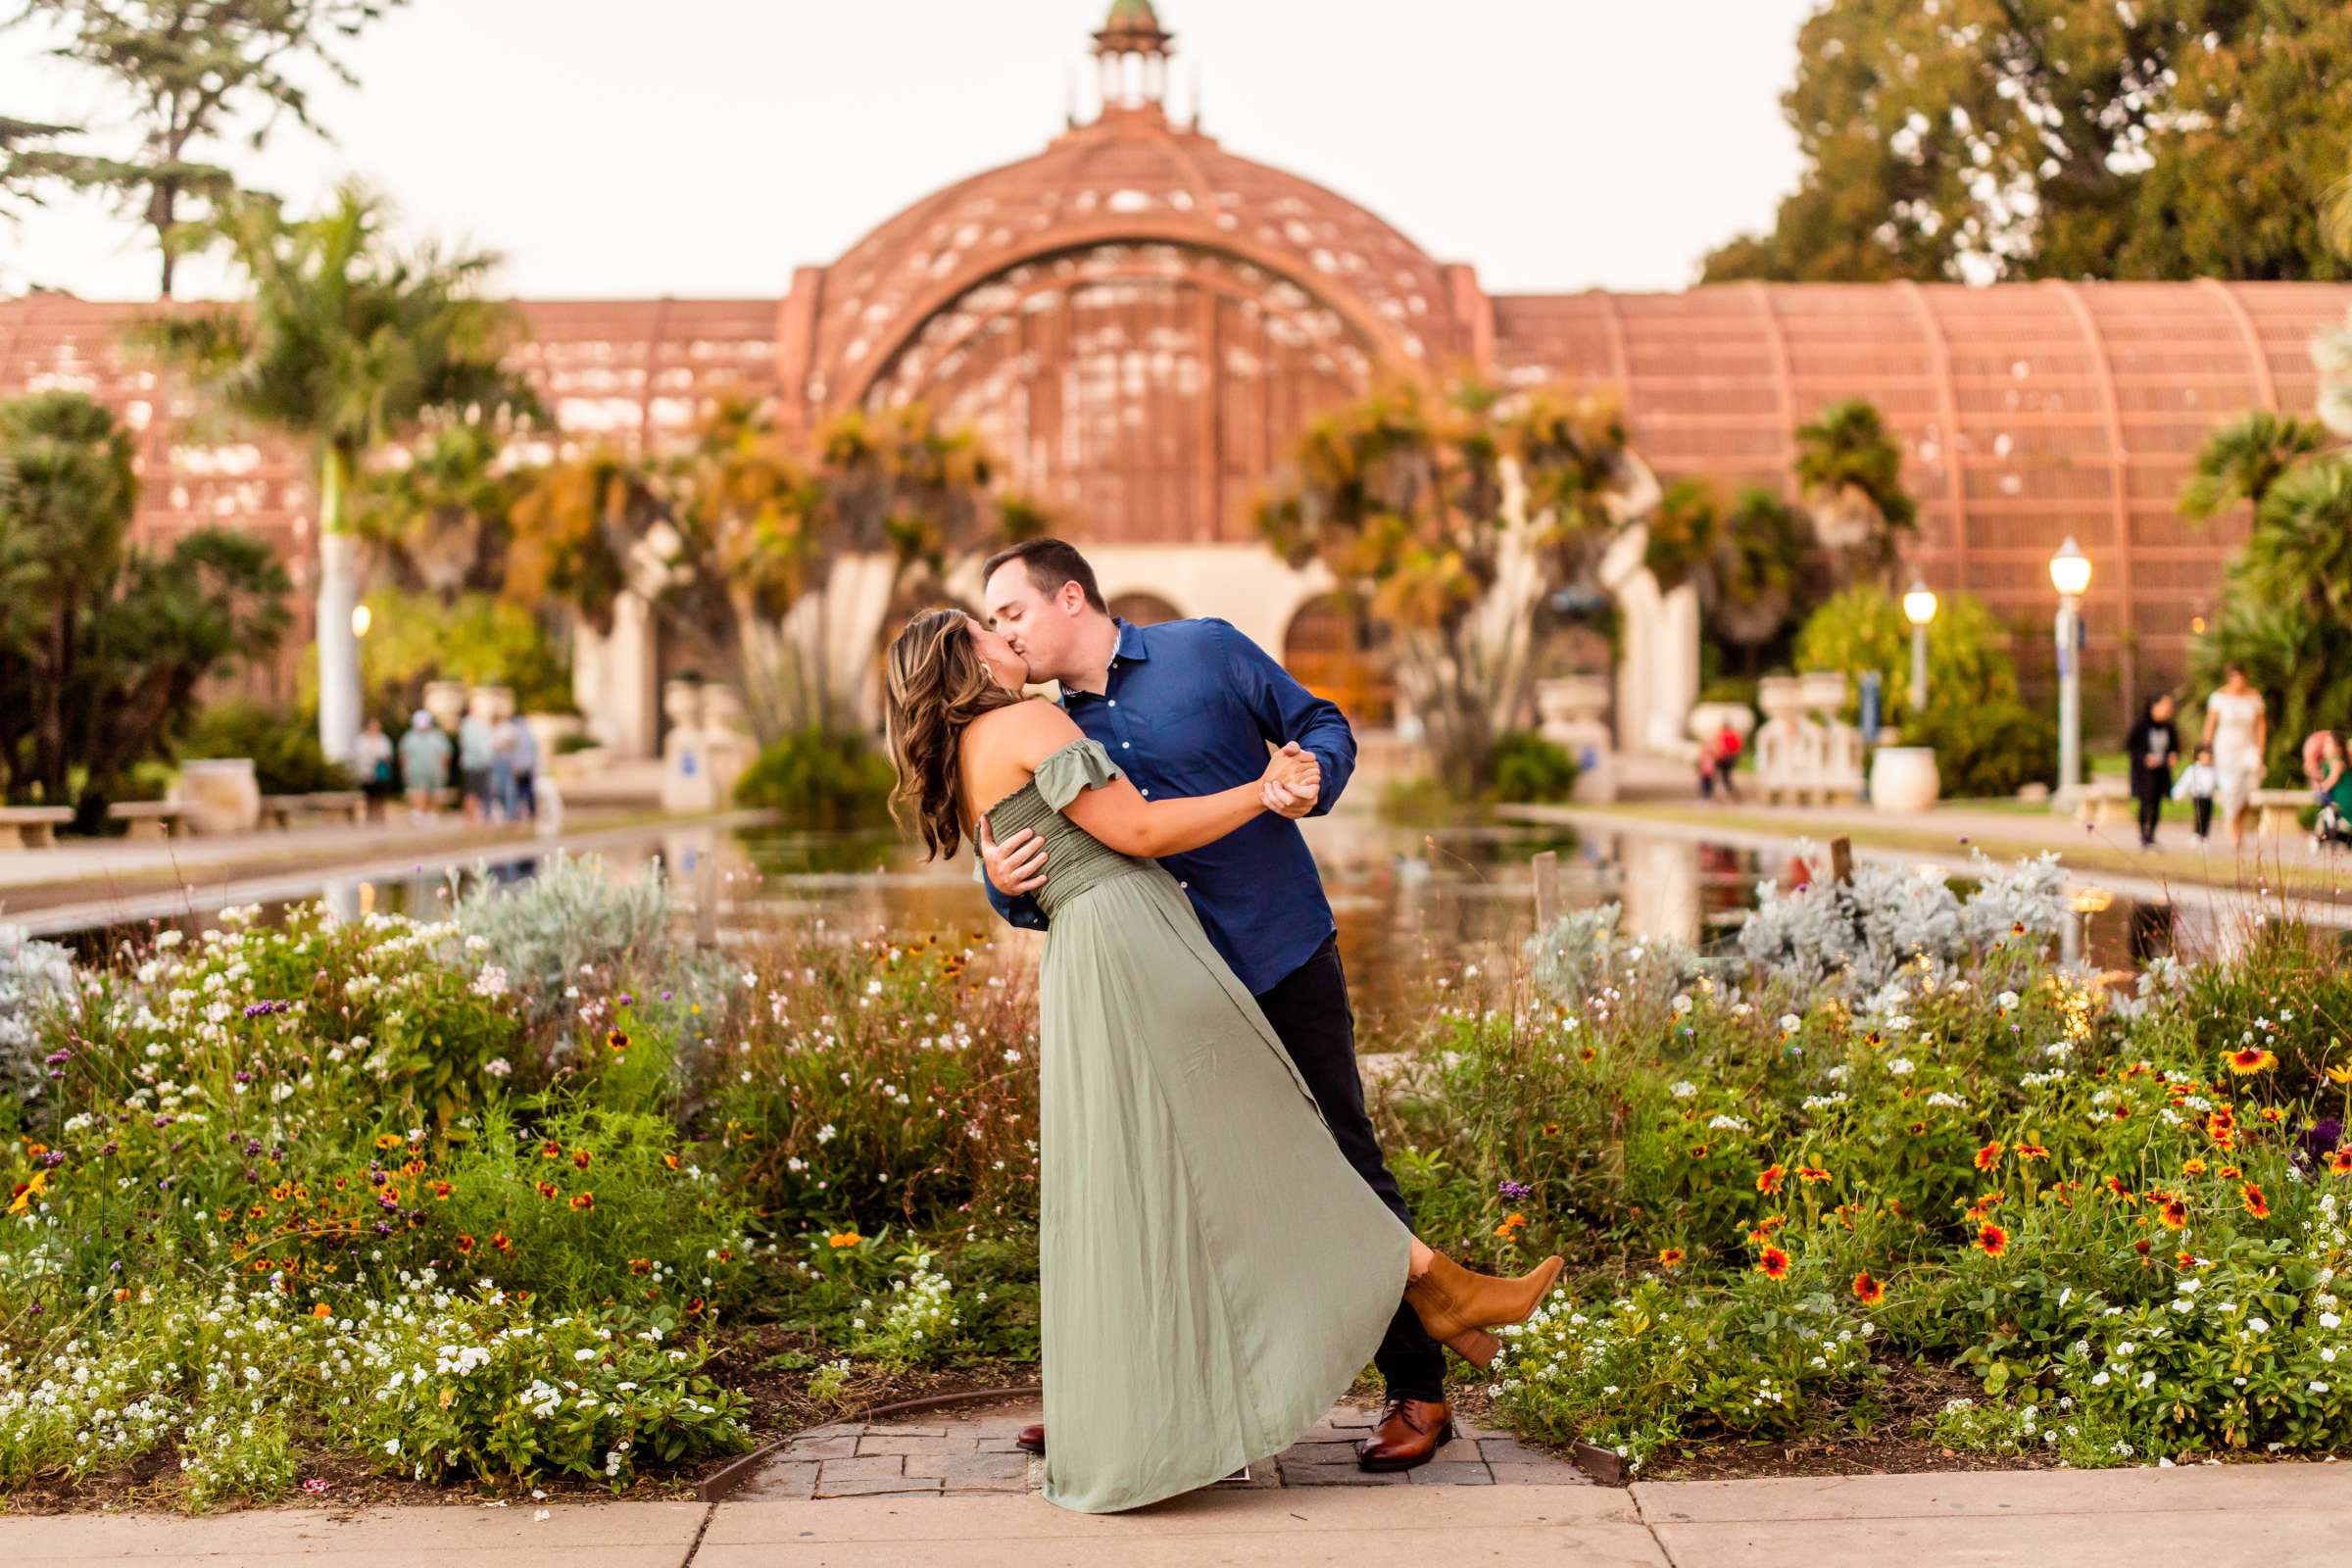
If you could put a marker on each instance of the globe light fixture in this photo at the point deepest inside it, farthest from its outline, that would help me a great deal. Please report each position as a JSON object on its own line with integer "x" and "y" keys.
{"x": 2070, "y": 574}
{"x": 2070, "y": 569}
{"x": 362, "y": 617}
{"x": 1919, "y": 607}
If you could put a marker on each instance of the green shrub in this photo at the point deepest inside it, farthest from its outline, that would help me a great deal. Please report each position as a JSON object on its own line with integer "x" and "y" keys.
{"x": 1530, "y": 769}
{"x": 286, "y": 755}
{"x": 1990, "y": 750}
{"x": 819, "y": 780}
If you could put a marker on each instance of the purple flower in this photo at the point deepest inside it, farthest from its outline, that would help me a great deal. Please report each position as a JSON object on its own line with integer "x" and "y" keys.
{"x": 626, "y": 999}
{"x": 53, "y": 1158}
{"x": 58, "y": 1058}
{"x": 1510, "y": 1189}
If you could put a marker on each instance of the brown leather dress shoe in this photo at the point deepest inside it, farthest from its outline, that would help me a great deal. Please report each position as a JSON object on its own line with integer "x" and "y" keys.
{"x": 1032, "y": 1438}
{"x": 1410, "y": 1433}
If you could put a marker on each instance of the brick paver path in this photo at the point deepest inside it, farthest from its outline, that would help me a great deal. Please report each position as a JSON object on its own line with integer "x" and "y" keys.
{"x": 956, "y": 1452}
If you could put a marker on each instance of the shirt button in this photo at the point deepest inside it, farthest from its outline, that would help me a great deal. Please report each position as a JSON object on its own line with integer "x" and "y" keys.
{"x": 1146, "y": 794}
{"x": 1186, "y": 885}
{"x": 1123, "y": 745}
{"x": 1114, "y": 701}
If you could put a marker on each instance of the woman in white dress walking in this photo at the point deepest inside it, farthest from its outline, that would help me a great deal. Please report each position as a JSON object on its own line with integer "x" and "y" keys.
{"x": 2237, "y": 727}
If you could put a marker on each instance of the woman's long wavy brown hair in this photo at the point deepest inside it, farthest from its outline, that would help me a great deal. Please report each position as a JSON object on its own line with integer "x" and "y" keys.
{"x": 937, "y": 685}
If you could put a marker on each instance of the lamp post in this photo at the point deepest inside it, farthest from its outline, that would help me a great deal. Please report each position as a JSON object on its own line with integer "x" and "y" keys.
{"x": 2070, "y": 574}
{"x": 1919, "y": 607}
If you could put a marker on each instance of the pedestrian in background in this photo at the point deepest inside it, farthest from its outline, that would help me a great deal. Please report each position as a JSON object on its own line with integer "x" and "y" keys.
{"x": 423, "y": 764}
{"x": 2152, "y": 744}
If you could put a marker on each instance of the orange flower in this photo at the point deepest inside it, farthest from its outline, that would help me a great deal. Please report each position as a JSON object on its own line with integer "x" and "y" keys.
{"x": 1990, "y": 1155}
{"x": 616, "y": 1040}
{"x": 2256, "y": 1204}
{"x": 1918, "y": 1128}
{"x": 2115, "y": 1185}
{"x": 583, "y": 1202}
{"x": 843, "y": 1239}
{"x": 580, "y": 1158}
{"x": 641, "y": 1265}
{"x": 2340, "y": 1073}
{"x": 1772, "y": 1263}
{"x": 545, "y": 1189}
{"x": 442, "y": 1190}
{"x": 1699, "y": 1151}
{"x": 2229, "y": 1173}
{"x": 1868, "y": 1291}
{"x": 551, "y": 1150}
{"x": 1769, "y": 1179}
{"x": 2174, "y": 1211}
{"x": 671, "y": 1160}
{"x": 1811, "y": 1173}
{"x": 2252, "y": 1060}
{"x": 1991, "y": 1239}
{"x": 465, "y": 1243}
{"x": 322, "y": 1309}
{"x": 2340, "y": 1162}
{"x": 2032, "y": 1152}
{"x": 387, "y": 1140}
{"x": 2193, "y": 1167}
{"x": 502, "y": 1241}
{"x": 1670, "y": 1257}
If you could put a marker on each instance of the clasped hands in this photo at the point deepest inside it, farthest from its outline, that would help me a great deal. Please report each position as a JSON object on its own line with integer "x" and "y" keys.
{"x": 1291, "y": 785}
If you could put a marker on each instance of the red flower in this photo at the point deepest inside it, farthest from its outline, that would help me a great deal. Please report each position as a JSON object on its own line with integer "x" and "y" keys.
{"x": 1772, "y": 1263}
{"x": 1769, "y": 1179}
{"x": 1990, "y": 1155}
{"x": 2340, "y": 1162}
{"x": 2174, "y": 1213}
{"x": 2256, "y": 1204}
{"x": 1670, "y": 1257}
{"x": 1811, "y": 1173}
{"x": 2252, "y": 1060}
{"x": 2032, "y": 1152}
{"x": 1868, "y": 1291}
{"x": 1991, "y": 1239}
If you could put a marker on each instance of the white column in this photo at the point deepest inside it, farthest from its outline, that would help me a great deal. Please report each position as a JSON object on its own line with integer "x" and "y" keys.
{"x": 613, "y": 679}
{"x": 338, "y": 645}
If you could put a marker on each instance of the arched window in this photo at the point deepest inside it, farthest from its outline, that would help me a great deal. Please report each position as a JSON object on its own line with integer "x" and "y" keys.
{"x": 1144, "y": 609}
{"x": 1333, "y": 656}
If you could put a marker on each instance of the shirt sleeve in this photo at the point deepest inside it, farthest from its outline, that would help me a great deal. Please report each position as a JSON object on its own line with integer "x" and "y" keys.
{"x": 1285, "y": 711}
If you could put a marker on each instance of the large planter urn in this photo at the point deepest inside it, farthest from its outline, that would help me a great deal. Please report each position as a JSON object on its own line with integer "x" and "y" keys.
{"x": 1824, "y": 690}
{"x": 1903, "y": 779}
{"x": 222, "y": 794}
{"x": 1781, "y": 697}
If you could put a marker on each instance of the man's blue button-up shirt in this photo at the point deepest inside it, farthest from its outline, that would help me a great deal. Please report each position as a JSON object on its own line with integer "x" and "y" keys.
{"x": 1189, "y": 708}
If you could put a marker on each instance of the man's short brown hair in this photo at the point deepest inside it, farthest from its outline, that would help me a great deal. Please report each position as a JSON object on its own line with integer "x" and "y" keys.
{"x": 1050, "y": 563}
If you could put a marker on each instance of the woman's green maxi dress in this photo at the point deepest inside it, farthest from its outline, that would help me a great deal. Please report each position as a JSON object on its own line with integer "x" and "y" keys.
{"x": 1214, "y": 1272}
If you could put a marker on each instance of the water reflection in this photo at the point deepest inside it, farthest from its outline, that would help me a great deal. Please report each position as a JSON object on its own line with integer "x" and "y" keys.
{"x": 1411, "y": 901}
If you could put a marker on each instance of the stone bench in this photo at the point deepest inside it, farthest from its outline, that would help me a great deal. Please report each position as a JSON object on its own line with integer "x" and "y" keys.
{"x": 2106, "y": 800}
{"x": 36, "y": 826}
{"x": 2278, "y": 811}
{"x": 341, "y": 805}
{"x": 151, "y": 819}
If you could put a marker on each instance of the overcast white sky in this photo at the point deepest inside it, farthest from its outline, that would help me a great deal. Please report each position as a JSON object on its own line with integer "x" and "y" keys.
{"x": 628, "y": 148}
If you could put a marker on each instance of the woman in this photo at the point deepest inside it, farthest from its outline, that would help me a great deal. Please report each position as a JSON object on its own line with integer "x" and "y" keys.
{"x": 1214, "y": 1274}
{"x": 2238, "y": 729}
{"x": 423, "y": 764}
{"x": 2152, "y": 744}
{"x": 2332, "y": 786}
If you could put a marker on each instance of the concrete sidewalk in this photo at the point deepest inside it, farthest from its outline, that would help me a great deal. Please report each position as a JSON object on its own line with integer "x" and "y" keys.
{"x": 2208, "y": 1516}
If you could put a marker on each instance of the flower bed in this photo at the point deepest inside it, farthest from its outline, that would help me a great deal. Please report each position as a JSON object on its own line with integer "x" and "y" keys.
{"x": 536, "y": 1195}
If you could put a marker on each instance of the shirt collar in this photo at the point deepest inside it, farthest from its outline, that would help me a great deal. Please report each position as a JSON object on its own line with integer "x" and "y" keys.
{"x": 1130, "y": 647}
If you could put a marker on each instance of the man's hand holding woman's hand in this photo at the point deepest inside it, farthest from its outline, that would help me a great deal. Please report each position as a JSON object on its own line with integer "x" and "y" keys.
{"x": 1292, "y": 781}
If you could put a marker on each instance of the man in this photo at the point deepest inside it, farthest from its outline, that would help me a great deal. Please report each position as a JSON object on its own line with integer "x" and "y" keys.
{"x": 1189, "y": 707}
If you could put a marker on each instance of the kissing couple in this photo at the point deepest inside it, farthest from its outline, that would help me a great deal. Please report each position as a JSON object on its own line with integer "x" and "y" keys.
{"x": 1221, "y": 1244}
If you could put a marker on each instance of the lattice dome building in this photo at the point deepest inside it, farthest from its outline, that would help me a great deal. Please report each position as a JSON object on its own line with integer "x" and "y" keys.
{"x": 1140, "y": 321}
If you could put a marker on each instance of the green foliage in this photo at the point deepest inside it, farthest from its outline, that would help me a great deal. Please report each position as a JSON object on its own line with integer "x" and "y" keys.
{"x": 1530, "y": 769}
{"x": 2241, "y": 459}
{"x": 285, "y": 752}
{"x": 819, "y": 779}
{"x": 477, "y": 638}
{"x": 2071, "y": 138}
{"x": 2284, "y": 611}
{"x": 102, "y": 648}
{"x": 1988, "y": 751}
{"x": 1863, "y": 627}
{"x": 875, "y": 1082}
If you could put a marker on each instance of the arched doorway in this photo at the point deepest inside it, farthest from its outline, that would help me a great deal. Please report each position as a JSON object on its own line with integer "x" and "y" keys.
{"x": 1335, "y": 657}
{"x": 1144, "y": 609}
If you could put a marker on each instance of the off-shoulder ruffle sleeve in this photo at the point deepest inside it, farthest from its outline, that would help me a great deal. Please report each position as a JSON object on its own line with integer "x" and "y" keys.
{"x": 1082, "y": 765}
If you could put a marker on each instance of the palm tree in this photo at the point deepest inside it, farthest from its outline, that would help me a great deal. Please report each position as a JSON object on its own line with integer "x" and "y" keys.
{"x": 2241, "y": 459}
{"x": 1852, "y": 477}
{"x": 349, "y": 346}
{"x": 2300, "y": 550}
{"x": 1744, "y": 563}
